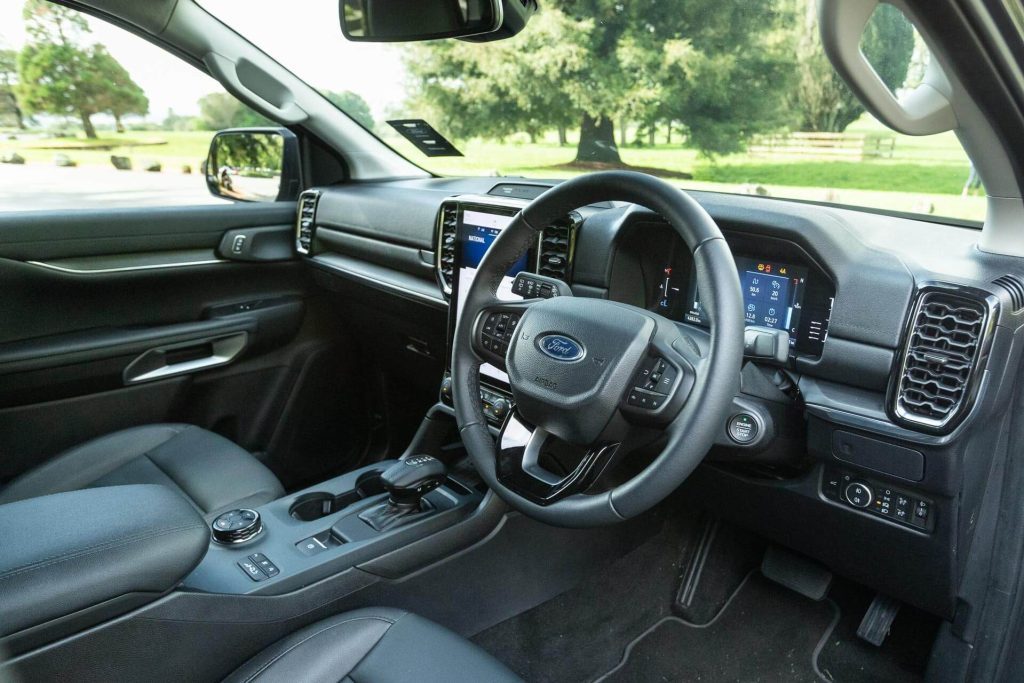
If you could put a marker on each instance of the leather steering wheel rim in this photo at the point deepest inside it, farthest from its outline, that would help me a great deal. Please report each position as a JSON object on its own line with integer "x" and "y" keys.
{"x": 692, "y": 432}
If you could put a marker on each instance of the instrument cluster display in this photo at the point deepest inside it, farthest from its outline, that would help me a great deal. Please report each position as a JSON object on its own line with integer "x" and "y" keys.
{"x": 775, "y": 295}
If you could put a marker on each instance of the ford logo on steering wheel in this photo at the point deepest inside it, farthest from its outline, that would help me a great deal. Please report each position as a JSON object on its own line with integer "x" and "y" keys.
{"x": 560, "y": 347}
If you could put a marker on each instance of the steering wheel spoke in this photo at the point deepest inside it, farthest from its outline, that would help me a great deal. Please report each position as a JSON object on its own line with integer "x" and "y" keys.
{"x": 519, "y": 468}
{"x": 663, "y": 380}
{"x": 495, "y": 329}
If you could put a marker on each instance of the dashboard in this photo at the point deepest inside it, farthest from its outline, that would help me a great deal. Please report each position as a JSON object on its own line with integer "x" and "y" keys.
{"x": 874, "y": 397}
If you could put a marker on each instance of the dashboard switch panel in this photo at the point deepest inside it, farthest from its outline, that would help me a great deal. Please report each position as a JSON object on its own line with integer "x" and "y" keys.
{"x": 877, "y": 498}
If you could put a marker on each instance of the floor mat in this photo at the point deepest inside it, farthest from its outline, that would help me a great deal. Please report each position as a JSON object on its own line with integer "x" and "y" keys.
{"x": 582, "y": 632}
{"x": 764, "y": 633}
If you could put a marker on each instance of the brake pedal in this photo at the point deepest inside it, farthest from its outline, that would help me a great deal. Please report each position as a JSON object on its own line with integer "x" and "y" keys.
{"x": 797, "y": 573}
{"x": 877, "y": 621}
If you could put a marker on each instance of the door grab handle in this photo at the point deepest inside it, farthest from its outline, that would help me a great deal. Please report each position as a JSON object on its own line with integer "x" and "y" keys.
{"x": 190, "y": 356}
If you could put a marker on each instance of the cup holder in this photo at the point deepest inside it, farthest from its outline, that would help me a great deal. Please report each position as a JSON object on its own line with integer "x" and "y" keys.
{"x": 312, "y": 506}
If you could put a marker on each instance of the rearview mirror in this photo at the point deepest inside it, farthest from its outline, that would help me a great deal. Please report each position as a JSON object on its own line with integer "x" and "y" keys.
{"x": 254, "y": 165}
{"x": 384, "y": 21}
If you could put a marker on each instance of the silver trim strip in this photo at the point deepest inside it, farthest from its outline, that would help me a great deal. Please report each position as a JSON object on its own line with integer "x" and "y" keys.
{"x": 125, "y": 269}
{"x": 323, "y": 261}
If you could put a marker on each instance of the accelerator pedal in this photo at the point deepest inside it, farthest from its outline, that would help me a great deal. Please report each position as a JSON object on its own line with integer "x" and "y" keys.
{"x": 797, "y": 573}
{"x": 877, "y": 621}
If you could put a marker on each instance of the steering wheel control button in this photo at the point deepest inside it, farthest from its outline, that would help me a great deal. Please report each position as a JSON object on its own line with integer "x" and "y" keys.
{"x": 530, "y": 287}
{"x": 641, "y": 398}
{"x": 858, "y": 495}
{"x": 236, "y": 526}
{"x": 498, "y": 331}
{"x": 742, "y": 428}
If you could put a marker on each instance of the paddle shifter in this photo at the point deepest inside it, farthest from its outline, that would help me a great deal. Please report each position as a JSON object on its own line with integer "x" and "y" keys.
{"x": 406, "y": 482}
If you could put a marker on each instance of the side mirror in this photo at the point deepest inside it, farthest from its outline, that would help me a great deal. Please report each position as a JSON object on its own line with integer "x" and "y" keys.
{"x": 384, "y": 21}
{"x": 254, "y": 165}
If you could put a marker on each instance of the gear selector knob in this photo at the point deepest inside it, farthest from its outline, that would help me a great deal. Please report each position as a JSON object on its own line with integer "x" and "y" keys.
{"x": 407, "y": 481}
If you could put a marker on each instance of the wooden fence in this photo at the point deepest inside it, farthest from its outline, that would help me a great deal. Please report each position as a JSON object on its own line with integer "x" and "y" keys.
{"x": 825, "y": 145}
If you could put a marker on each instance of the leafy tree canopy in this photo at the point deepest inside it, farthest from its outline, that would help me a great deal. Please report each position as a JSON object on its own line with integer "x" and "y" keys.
{"x": 353, "y": 105}
{"x": 220, "y": 110}
{"x": 719, "y": 68}
{"x": 59, "y": 73}
{"x": 822, "y": 101}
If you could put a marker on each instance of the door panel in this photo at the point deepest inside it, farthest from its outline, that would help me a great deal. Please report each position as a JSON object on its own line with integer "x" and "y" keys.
{"x": 101, "y": 311}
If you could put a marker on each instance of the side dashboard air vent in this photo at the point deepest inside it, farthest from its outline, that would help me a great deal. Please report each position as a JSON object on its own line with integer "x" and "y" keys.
{"x": 447, "y": 225}
{"x": 557, "y": 243}
{"x": 1014, "y": 286}
{"x": 944, "y": 346}
{"x": 306, "y": 221}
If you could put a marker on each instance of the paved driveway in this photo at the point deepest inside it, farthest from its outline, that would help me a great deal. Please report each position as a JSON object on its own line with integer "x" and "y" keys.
{"x": 34, "y": 187}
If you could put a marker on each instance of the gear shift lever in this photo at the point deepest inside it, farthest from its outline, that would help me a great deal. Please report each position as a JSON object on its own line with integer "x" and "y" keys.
{"x": 406, "y": 482}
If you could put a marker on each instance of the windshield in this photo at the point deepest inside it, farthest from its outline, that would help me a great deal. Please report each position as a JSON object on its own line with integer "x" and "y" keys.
{"x": 722, "y": 95}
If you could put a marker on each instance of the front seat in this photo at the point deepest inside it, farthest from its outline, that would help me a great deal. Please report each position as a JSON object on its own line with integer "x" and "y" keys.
{"x": 207, "y": 469}
{"x": 376, "y": 645}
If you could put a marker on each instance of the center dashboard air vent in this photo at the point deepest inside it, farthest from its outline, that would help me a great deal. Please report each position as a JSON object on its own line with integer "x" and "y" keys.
{"x": 945, "y": 345}
{"x": 306, "y": 221}
{"x": 447, "y": 226}
{"x": 557, "y": 243}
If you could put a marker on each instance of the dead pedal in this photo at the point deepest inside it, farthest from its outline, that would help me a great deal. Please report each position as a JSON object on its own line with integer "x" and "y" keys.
{"x": 877, "y": 621}
{"x": 797, "y": 573}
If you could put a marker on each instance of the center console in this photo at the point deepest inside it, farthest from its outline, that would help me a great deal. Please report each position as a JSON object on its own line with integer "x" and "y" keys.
{"x": 334, "y": 526}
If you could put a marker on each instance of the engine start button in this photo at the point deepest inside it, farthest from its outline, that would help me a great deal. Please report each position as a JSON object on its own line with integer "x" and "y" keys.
{"x": 742, "y": 428}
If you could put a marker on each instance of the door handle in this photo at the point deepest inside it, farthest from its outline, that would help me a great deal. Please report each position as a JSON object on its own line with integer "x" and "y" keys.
{"x": 185, "y": 357}
{"x": 270, "y": 243}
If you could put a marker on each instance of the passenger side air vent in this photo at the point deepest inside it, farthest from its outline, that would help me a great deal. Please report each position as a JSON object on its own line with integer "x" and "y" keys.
{"x": 557, "y": 244}
{"x": 945, "y": 341}
{"x": 447, "y": 225}
{"x": 306, "y": 221}
{"x": 1014, "y": 286}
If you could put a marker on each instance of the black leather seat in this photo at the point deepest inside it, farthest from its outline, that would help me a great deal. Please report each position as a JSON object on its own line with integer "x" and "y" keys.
{"x": 207, "y": 469}
{"x": 376, "y": 645}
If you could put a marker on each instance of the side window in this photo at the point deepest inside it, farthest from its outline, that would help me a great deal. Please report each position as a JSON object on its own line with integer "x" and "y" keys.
{"x": 92, "y": 116}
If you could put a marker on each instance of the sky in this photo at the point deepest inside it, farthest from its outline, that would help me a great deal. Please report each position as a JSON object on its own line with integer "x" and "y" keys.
{"x": 308, "y": 42}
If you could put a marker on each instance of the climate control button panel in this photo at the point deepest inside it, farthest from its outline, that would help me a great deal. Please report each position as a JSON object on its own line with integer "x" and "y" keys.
{"x": 878, "y": 498}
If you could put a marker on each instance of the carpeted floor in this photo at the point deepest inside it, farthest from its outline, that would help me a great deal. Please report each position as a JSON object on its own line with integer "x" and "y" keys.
{"x": 618, "y": 625}
{"x": 764, "y": 633}
{"x": 580, "y": 634}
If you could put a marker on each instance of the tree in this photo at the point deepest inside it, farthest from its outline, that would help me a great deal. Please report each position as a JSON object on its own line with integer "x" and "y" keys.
{"x": 122, "y": 96}
{"x": 9, "y": 106}
{"x": 494, "y": 91}
{"x": 823, "y": 101}
{"x": 55, "y": 75}
{"x": 692, "y": 61}
{"x": 220, "y": 110}
{"x": 354, "y": 105}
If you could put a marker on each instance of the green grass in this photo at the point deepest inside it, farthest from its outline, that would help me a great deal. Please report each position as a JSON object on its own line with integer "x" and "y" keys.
{"x": 926, "y": 174}
{"x": 173, "y": 149}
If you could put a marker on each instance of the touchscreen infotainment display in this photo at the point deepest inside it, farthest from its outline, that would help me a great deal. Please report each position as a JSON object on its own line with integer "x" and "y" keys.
{"x": 477, "y": 231}
{"x": 773, "y": 295}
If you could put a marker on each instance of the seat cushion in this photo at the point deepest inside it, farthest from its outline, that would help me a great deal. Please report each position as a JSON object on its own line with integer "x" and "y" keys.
{"x": 376, "y": 645}
{"x": 207, "y": 469}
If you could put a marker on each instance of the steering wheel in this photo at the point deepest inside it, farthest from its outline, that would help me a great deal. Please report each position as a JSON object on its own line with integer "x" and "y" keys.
{"x": 596, "y": 374}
